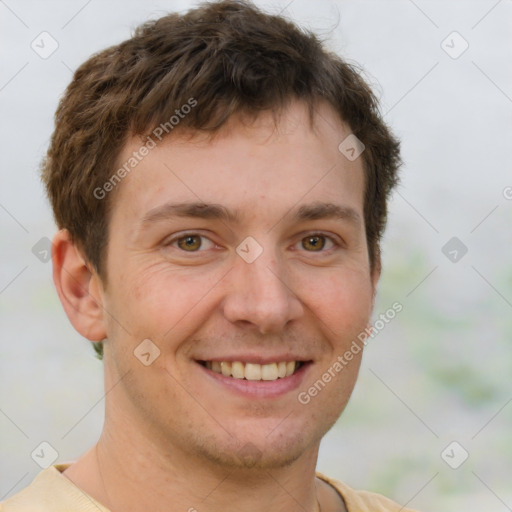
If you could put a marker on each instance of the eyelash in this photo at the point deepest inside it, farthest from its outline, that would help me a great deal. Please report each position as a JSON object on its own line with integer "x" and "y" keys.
{"x": 175, "y": 240}
{"x": 334, "y": 243}
{"x": 329, "y": 238}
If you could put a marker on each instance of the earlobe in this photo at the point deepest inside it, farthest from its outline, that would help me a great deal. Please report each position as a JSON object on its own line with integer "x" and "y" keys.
{"x": 79, "y": 288}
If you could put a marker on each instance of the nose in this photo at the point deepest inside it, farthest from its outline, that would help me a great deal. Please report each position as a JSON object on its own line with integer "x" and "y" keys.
{"x": 260, "y": 295}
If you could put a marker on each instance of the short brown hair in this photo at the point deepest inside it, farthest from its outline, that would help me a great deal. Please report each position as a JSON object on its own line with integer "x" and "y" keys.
{"x": 229, "y": 57}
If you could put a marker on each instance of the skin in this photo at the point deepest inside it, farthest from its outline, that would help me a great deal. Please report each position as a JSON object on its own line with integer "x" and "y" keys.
{"x": 173, "y": 437}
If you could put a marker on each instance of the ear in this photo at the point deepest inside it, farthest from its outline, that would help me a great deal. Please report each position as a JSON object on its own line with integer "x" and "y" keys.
{"x": 375, "y": 272}
{"x": 375, "y": 276}
{"x": 79, "y": 288}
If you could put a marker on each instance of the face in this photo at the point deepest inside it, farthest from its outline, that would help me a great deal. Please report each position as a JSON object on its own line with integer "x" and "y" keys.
{"x": 243, "y": 259}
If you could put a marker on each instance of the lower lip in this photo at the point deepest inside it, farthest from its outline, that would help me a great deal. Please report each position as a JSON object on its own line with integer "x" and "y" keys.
{"x": 259, "y": 388}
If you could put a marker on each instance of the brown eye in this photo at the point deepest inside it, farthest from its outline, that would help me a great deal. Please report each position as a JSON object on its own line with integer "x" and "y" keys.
{"x": 313, "y": 242}
{"x": 189, "y": 243}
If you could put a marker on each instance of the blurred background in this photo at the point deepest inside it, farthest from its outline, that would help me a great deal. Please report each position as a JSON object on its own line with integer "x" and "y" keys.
{"x": 429, "y": 423}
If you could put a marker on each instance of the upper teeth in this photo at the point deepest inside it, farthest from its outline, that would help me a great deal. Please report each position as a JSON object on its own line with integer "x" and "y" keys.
{"x": 253, "y": 371}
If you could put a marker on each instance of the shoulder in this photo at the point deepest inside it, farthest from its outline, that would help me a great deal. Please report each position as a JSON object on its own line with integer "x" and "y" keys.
{"x": 51, "y": 491}
{"x": 363, "y": 501}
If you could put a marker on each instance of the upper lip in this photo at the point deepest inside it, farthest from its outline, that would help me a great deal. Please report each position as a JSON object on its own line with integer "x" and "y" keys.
{"x": 256, "y": 358}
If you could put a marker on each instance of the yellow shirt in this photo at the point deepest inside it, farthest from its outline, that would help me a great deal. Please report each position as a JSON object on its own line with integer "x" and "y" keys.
{"x": 51, "y": 491}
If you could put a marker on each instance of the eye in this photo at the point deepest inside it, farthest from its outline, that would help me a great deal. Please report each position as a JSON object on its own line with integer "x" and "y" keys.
{"x": 317, "y": 243}
{"x": 192, "y": 243}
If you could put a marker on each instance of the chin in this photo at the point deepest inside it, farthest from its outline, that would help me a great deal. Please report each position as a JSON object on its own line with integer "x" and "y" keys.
{"x": 253, "y": 457}
{"x": 255, "y": 450}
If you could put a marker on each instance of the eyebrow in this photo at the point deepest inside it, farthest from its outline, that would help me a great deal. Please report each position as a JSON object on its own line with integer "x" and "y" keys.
{"x": 316, "y": 211}
{"x": 199, "y": 210}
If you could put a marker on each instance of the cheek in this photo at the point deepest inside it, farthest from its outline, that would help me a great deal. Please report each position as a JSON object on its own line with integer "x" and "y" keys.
{"x": 159, "y": 302}
{"x": 341, "y": 300}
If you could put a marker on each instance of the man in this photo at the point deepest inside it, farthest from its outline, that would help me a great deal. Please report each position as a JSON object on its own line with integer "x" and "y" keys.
{"x": 220, "y": 184}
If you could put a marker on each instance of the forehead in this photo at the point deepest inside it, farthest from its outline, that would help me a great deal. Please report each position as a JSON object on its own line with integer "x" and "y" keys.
{"x": 268, "y": 164}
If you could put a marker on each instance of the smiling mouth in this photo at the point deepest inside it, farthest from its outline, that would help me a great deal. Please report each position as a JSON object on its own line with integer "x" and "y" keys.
{"x": 253, "y": 371}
